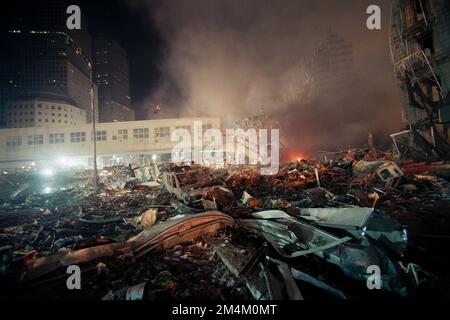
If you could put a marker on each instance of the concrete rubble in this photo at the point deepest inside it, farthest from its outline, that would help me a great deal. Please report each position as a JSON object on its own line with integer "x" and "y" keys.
{"x": 314, "y": 230}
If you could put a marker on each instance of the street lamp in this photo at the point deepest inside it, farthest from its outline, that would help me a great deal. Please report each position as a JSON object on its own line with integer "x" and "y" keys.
{"x": 94, "y": 132}
{"x": 80, "y": 52}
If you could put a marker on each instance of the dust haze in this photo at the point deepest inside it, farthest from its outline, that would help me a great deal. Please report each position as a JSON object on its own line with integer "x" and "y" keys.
{"x": 235, "y": 59}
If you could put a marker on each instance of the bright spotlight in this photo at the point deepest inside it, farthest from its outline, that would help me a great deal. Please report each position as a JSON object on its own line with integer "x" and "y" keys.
{"x": 47, "y": 190}
{"x": 47, "y": 172}
{"x": 63, "y": 161}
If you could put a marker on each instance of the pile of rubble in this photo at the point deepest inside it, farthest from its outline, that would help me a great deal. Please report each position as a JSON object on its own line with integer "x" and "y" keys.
{"x": 333, "y": 229}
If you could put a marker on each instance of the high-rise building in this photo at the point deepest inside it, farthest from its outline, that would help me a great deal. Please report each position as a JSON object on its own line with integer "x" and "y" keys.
{"x": 111, "y": 74}
{"x": 332, "y": 67}
{"x": 46, "y": 110}
{"x": 41, "y": 56}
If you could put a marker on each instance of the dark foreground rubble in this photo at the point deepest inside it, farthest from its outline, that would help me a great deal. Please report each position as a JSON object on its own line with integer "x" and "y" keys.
{"x": 317, "y": 229}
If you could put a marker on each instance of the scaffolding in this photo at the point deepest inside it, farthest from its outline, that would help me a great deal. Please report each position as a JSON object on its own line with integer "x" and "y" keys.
{"x": 420, "y": 50}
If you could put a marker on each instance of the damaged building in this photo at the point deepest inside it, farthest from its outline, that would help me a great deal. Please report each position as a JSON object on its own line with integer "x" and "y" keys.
{"x": 420, "y": 50}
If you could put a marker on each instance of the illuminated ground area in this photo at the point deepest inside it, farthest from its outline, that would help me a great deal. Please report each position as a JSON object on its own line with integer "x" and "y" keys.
{"x": 227, "y": 234}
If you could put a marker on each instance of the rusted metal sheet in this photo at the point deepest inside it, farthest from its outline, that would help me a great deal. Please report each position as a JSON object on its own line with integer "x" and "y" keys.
{"x": 169, "y": 233}
{"x": 160, "y": 236}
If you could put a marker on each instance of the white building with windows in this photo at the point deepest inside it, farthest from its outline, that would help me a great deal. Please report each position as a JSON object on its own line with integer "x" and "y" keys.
{"x": 117, "y": 142}
{"x": 43, "y": 112}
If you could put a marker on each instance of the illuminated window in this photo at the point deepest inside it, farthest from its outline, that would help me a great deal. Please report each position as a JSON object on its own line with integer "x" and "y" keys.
{"x": 14, "y": 141}
{"x": 100, "y": 135}
{"x": 77, "y": 137}
{"x": 35, "y": 139}
{"x": 55, "y": 138}
{"x": 141, "y": 133}
{"x": 163, "y": 132}
{"x": 122, "y": 134}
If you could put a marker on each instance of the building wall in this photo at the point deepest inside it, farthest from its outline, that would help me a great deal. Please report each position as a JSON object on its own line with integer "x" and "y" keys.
{"x": 111, "y": 75}
{"x": 79, "y": 89}
{"x": 332, "y": 67}
{"x": 42, "y": 112}
{"x": 36, "y": 55}
{"x": 113, "y": 111}
{"x": 420, "y": 45}
{"x": 442, "y": 46}
{"x": 132, "y": 137}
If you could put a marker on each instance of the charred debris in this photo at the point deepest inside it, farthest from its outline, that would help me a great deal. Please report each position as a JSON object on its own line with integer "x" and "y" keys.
{"x": 317, "y": 229}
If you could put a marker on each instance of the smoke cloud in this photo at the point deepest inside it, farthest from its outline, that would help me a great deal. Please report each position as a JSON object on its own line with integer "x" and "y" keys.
{"x": 231, "y": 59}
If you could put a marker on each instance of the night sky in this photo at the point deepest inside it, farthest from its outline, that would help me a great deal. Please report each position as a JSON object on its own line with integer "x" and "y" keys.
{"x": 135, "y": 32}
{"x": 232, "y": 58}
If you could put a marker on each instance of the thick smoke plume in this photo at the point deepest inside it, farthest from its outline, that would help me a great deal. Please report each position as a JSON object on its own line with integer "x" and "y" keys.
{"x": 231, "y": 59}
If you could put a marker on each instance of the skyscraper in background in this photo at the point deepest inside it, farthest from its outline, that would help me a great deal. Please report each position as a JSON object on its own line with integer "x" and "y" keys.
{"x": 332, "y": 67}
{"x": 39, "y": 56}
{"x": 111, "y": 74}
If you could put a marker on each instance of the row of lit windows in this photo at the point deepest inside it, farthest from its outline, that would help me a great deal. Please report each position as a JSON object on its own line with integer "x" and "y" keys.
{"x": 39, "y": 113}
{"x": 22, "y": 120}
{"x": 39, "y": 106}
{"x": 14, "y": 141}
{"x": 76, "y": 137}
{"x": 55, "y": 138}
{"x": 20, "y": 113}
{"x": 36, "y": 139}
{"x": 101, "y": 135}
{"x": 141, "y": 133}
{"x": 40, "y": 120}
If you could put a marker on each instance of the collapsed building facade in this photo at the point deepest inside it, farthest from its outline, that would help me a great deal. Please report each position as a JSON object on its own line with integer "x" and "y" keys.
{"x": 420, "y": 50}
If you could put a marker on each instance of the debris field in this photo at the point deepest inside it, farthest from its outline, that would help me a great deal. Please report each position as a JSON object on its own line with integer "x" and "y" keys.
{"x": 350, "y": 228}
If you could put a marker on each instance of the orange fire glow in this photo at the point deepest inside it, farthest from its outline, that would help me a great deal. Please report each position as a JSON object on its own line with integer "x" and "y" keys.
{"x": 296, "y": 155}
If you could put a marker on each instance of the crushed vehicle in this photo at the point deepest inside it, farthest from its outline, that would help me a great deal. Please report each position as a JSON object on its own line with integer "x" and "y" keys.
{"x": 187, "y": 182}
